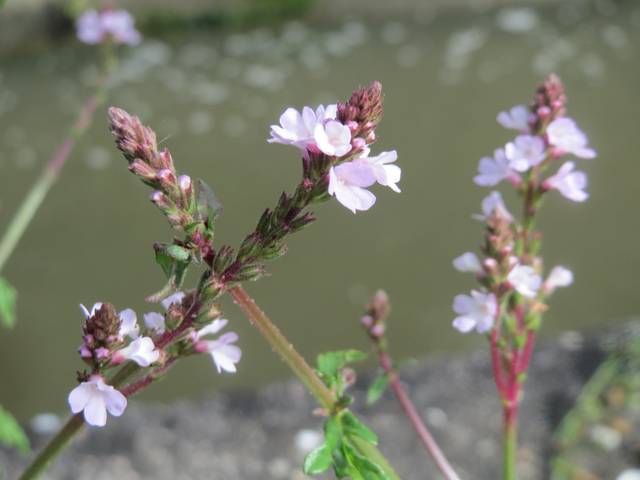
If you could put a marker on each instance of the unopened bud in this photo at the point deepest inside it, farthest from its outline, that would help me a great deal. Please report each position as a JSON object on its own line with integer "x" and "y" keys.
{"x": 167, "y": 178}
{"x": 159, "y": 199}
{"x": 358, "y": 143}
{"x": 377, "y": 330}
{"x": 490, "y": 265}
{"x": 353, "y": 125}
{"x": 186, "y": 186}
{"x": 367, "y": 321}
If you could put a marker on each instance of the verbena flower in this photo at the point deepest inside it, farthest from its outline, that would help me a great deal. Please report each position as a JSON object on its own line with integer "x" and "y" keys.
{"x": 493, "y": 204}
{"x": 385, "y": 174}
{"x": 348, "y": 182}
{"x": 524, "y": 152}
{"x": 141, "y": 351}
{"x": 128, "y": 324}
{"x": 563, "y": 133}
{"x": 225, "y": 355}
{"x": 517, "y": 118}
{"x": 297, "y": 128}
{"x": 155, "y": 322}
{"x": 93, "y": 27}
{"x": 492, "y": 171}
{"x": 571, "y": 184}
{"x": 467, "y": 262}
{"x": 525, "y": 280}
{"x": 558, "y": 277}
{"x": 332, "y": 138}
{"x": 476, "y": 311}
{"x": 95, "y": 398}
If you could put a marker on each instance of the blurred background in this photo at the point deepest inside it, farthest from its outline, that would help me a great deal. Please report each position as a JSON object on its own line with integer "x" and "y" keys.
{"x": 210, "y": 77}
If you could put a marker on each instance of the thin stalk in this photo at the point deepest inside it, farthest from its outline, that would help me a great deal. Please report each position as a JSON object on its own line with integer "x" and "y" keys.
{"x": 510, "y": 442}
{"x": 412, "y": 414}
{"x": 27, "y": 210}
{"x": 301, "y": 369}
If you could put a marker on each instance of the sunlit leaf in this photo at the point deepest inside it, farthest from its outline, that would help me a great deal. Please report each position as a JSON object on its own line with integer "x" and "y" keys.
{"x": 8, "y": 296}
{"x": 318, "y": 460}
{"x": 377, "y": 388}
{"x": 353, "y": 426}
{"x": 11, "y": 434}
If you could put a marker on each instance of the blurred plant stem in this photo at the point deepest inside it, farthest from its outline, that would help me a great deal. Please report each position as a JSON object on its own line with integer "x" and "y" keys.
{"x": 305, "y": 373}
{"x": 27, "y": 210}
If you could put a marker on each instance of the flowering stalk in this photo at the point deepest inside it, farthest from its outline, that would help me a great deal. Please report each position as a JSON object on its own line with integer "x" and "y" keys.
{"x": 510, "y": 305}
{"x": 374, "y": 322}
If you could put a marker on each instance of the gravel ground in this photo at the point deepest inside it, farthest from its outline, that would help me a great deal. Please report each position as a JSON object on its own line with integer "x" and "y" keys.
{"x": 264, "y": 435}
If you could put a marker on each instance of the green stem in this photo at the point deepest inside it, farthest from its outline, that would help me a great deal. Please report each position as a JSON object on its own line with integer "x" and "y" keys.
{"x": 39, "y": 190}
{"x": 54, "y": 447}
{"x": 302, "y": 369}
{"x": 510, "y": 443}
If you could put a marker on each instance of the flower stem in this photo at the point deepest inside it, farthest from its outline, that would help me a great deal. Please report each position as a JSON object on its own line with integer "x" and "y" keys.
{"x": 301, "y": 368}
{"x": 410, "y": 411}
{"x": 39, "y": 190}
{"x": 510, "y": 442}
{"x": 54, "y": 447}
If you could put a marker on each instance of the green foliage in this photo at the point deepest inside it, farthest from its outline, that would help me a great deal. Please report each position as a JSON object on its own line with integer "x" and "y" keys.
{"x": 8, "y": 296}
{"x": 377, "y": 388}
{"x": 209, "y": 207}
{"x": 339, "y": 452}
{"x": 330, "y": 363}
{"x": 11, "y": 435}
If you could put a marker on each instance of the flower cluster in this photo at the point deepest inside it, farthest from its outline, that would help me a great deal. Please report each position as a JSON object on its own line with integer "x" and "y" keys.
{"x": 339, "y": 135}
{"x": 93, "y": 27}
{"x": 111, "y": 338}
{"x": 511, "y": 265}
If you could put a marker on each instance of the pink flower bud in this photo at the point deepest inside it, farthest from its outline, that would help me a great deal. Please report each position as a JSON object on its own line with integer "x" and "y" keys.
{"x": 84, "y": 351}
{"x": 353, "y": 125}
{"x": 102, "y": 353}
{"x": 167, "y": 178}
{"x": 358, "y": 143}
{"x": 367, "y": 321}
{"x": 160, "y": 199}
{"x": 184, "y": 181}
{"x": 377, "y": 330}
{"x": 490, "y": 265}
{"x": 544, "y": 112}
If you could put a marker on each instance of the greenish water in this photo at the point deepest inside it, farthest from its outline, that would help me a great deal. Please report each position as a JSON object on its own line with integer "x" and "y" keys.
{"x": 213, "y": 97}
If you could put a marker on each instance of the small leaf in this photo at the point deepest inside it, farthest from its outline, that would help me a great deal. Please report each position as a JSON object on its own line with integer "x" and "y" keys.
{"x": 331, "y": 362}
{"x": 340, "y": 465}
{"x": 209, "y": 206}
{"x": 318, "y": 460}
{"x": 332, "y": 433}
{"x": 377, "y": 388}
{"x": 11, "y": 434}
{"x": 178, "y": 253}
{"x": 365, "y": 468}
{"x": 353, "y": 426}
{"x": 8, "y": 296}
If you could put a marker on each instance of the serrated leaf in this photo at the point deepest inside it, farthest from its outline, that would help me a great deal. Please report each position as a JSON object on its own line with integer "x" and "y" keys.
{"x": 353, "y": 426}
{"x": 8, "y": 297}
{"x": 318, "y": 460}
{"x": 330, "y": 363}
{"x": 11, "y": 434}
{"x": 377, "y": 388}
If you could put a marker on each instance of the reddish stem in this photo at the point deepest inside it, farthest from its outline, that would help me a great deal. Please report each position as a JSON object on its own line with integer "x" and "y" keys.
{"x": 496, "y": 363}
{"x": 144, "y": 382}
{"x": 414, "y": 418}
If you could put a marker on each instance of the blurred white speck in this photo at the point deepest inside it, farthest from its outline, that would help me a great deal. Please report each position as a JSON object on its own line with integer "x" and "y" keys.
{"x": 593, "y": 66}
{"x": 436, "y": 417}
{"x": 197, "y": 55}
{"x": 553, "y": 55}
{"x": 8, "y": 100}
{"x": 312, "y": 57}
{"x": 25, "y": 157}
{"x": 306, "y": 440}
{"x": 230, "y": 68}
{"x": 237, "y": 44}
{"x": 631, "y": 474}
{"x": 45, "y": 423}
{"x": 261, "y": 76}
{"x": 614, "y": 36}
{"x": 279, "y": 468}
{"x": 98, "y": 158}
{"x": 255, "y": 107}
{"x": 169, "y": 126}
{"x": 210, "y": 93}
{"x": 571, "y": 340}
{"x": 606, "y": 437}
{"x": 235, "y": 126}
{"x": 394, "y": 33}
{"x": 140, "y": 60}
{"x": 408, "y": 56}
{"x": 294, "y": 33}
{"x": 355, "y": 33}
{"x": 462, "y": 44}
{"x": 517, "y": 20}
{"x": 200, "y": 122}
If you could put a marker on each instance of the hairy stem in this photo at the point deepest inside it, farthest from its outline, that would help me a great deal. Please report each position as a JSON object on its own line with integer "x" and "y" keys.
{"x": 410, "y": 411}
{"x": 301, "y": 368}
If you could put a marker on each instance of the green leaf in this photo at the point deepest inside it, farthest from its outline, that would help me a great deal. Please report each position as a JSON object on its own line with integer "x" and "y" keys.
{"x": 8, "y": 296}
{"x": 365, "y": 468}
{"x": 178, "y": 253}
{"x": 330, "y": 363}
{"x": 11, "y": 435}
{"x": 209, "y": 206}
{"x": 377, "y": 388}
{"x": 332, "y": 433}
{"x": 341, "y": 466}
{"x": 353, "y": 426}
{"x": 318, "y": 460}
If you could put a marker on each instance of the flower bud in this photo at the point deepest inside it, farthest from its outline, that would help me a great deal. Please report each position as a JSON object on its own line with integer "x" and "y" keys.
{"x": 167, "y": 178}
{"x": 160, "y": 200}
{"x": 358, "y": 143}
{"x": 186, "y": 186}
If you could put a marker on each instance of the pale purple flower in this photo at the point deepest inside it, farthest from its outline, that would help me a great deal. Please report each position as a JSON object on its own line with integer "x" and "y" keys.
{"x": 332, "y": 138}
{"x": 517, "y": 118}
{"x": 493, "y": 204}
{"x": 563, "y": 133}
{"x": 93, "y": 27}
{"x": 348, "y": 182}
{"x": 492, "y": 171}
{"x": 171, "y": 299}
{"x": 477, "y": 310}
{"x": 90, "y": 313}
{"x": 467, "y": 262}
{"x": 128, "y": 324}
{"x": 95, "y": 398}
{"x": 571, "y": 184}
{"x": 298, "y": 128}
{"x": 525, "y": 280}
{"x": 524, "y": 152}
{"x": 142, "y": 351}
{"x": 385, "y": 174}
{"x": 155, "y": 322}
{"x": 225, "y": 355}
{"x": 558, "y": 277}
